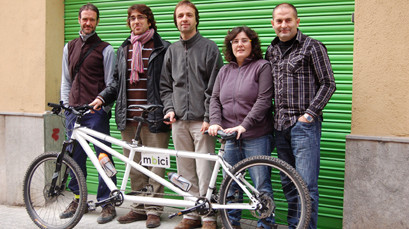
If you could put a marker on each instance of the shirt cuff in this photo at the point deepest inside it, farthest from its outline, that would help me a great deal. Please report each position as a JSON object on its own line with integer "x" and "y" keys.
{"x": 100, "y": 98}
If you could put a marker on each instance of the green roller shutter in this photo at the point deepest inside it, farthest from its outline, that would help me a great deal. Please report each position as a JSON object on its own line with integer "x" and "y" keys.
{"x": 326, "y": 20}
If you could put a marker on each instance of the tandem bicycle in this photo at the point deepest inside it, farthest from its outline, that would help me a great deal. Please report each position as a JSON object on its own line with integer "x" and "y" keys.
{"x": 46, "y": 193}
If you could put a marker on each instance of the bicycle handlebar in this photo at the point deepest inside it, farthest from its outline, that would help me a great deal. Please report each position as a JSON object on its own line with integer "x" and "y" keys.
{"x": 79, "y": 111}
{"x": 224, "y": 135}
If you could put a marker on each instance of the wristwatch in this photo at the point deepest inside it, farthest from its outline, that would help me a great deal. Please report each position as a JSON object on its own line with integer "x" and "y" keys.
{"x": 308, "y": 117}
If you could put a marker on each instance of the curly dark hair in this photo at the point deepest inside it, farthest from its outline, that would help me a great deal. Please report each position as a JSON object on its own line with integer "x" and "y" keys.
{"x": 145, "y": 10}
{"x": 255, "y": 54}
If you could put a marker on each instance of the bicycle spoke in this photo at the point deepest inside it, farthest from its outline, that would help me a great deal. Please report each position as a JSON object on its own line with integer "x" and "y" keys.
{"x": 43, "y": 208}
{"x": 280, "y": 200}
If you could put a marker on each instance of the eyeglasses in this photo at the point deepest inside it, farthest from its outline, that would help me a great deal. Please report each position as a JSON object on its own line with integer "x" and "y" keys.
{"x": 244, "y": 41}
{"x": 139, "y": 17}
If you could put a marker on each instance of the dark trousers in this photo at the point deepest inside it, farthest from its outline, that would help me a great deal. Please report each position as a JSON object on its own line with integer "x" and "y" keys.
{"x": 299, "y": 146}
{"x": 98, "y": 121}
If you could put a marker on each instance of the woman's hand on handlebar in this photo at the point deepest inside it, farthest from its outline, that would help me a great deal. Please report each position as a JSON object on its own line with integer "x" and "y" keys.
{"x": 213, "y": 129}
{"x": 239, "y": 129}
{"x": 171, "y": 117}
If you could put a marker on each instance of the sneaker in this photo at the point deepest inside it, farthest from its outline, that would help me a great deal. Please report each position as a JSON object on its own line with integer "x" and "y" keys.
{"x": 70, "y": 210}
{"x": 188, "y": 224}
{"x": 108, "y": 213}
{"x": 153, "y": 221}
{"x": 131, "y": 217}
{"x": 209, "y": 225}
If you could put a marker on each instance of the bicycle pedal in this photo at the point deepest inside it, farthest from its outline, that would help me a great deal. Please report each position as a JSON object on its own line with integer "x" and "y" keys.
{"x": 91, "y": 206}
{"x": 183, "y": 212}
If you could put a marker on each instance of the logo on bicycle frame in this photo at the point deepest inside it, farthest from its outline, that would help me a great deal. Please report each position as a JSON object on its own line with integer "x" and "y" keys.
{"x": 155, "y": 160}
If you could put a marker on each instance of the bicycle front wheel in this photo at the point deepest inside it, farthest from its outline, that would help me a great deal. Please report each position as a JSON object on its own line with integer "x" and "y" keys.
{"x": 45, "y": 207}
{"x": 288, "y": 203}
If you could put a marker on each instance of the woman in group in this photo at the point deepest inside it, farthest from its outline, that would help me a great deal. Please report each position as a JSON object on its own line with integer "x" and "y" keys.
{"x": 241, "y": 102}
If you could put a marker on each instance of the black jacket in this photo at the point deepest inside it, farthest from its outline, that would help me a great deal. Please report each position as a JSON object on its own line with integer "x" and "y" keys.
{"x": 153, "y": 76}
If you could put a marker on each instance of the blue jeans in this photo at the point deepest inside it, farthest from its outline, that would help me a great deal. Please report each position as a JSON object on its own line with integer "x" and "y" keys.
{"x": 299, "y": 146}
{"x": 237, "y": 150}
{"x": 98, "y": 121}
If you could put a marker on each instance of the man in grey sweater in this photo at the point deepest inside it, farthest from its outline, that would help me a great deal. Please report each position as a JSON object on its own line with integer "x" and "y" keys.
{"x": 189, "y": 70}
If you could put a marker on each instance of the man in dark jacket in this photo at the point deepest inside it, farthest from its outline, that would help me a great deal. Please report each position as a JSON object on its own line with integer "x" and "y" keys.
{"x": 139, "y": 64}
{"x": 189, "y": 71}
{"x": 91, "y": 83}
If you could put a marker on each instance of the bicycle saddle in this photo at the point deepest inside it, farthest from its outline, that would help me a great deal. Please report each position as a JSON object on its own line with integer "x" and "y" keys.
{"x": 146, "y": 107}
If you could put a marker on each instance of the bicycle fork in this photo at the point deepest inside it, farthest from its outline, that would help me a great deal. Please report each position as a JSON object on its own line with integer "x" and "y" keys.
{"x": 58, "y": 165}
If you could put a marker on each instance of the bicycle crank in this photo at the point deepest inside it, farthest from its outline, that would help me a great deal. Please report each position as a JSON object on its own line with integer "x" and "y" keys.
{"x": 116, "y": 198}
{"x": 202, "y": 207}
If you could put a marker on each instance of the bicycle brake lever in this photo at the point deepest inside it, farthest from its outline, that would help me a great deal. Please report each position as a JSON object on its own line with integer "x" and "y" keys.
{"x": 56, "y": 108}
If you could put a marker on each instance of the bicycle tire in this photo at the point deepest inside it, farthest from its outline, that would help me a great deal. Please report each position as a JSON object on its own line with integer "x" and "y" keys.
{"x": 44, "y": 210}
{"x": 279, "y": 203}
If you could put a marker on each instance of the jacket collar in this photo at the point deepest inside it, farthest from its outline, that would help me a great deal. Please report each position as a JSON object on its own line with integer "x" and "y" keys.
{"x": 245, "y": 62}
{"x": 298, "y": 38}
{"x": 84, "y": 38}
{"x": 189, "y": 43}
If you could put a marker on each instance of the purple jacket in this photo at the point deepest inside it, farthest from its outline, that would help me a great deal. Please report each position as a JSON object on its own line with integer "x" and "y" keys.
{"x": 243, "y": 96}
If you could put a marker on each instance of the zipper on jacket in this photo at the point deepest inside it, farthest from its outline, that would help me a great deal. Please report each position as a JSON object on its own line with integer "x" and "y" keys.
{"x": 187, "y": 83}
{"x": 156, "y": 51}
{"x": 234, "y": 95}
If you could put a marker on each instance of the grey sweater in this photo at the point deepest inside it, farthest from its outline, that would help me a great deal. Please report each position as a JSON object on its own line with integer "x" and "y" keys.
{"x": 189, "y": 70}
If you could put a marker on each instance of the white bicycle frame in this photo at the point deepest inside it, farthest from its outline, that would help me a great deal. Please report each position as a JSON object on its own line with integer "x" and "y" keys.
{"x": 84, "y": 134}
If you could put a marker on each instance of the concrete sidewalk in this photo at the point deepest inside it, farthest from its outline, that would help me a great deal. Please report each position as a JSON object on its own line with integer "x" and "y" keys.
{"x": 16, "y": 217}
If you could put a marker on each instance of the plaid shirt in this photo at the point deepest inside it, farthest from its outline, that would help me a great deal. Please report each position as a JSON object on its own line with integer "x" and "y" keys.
{"x": 303, "y": 80}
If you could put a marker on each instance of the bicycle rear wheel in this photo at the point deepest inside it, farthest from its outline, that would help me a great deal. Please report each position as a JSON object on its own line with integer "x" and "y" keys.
{"x": 274, "y": 207}
{"x": 44, "y": 207}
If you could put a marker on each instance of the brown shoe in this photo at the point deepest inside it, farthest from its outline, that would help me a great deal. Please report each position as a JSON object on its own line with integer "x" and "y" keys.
{"x": 153, "y": 221}
{"x": 131, "y": 217}
{"x": 70, "y": 210}
{"x": 209, "y": 225}
{"x": 108, "y": 213}
{"x": 188, "y": 224}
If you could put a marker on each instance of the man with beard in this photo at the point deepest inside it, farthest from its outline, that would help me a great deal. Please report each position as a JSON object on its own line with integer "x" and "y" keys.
{"x": 87, "y": 78}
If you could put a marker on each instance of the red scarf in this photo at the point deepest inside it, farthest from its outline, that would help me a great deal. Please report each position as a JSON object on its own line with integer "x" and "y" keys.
{"x": 137, "y": 63}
